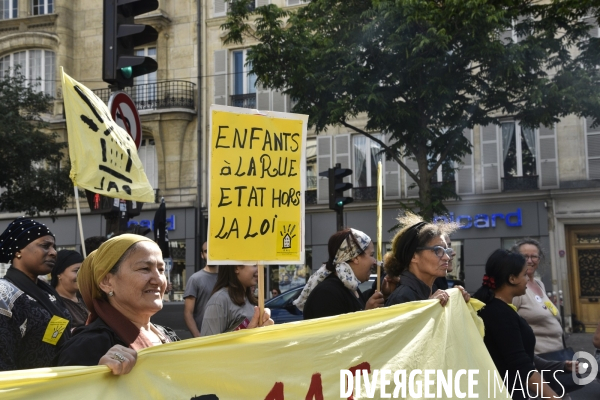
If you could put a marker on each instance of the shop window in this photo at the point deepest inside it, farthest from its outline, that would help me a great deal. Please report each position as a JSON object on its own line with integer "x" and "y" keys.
{"x": 41, "y": 7}
{"x": 178, "y": 275}
{"x": 367, "y": 153}
{"x": 286, "y": 277}
{"x": 518, "y": 150}
{"x": 38, "y": 67}
{"x": 9, "y": 9}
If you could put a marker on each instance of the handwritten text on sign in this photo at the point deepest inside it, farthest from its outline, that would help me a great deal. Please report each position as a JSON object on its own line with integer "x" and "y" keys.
{"x": 256, "y": 200}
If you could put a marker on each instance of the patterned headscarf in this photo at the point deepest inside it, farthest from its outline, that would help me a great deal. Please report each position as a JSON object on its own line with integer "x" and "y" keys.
{"x": 18, "y": 235}
{"x": 349, "y": 249}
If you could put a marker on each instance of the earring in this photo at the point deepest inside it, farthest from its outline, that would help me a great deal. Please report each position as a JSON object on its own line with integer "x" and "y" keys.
{"x": 111, "y": 293}
{"x": 19, "y": 256}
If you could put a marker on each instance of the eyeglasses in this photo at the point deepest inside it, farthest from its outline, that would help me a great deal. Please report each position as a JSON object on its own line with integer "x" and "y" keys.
{"x": 532, "y": 258}
{"x": 439, "y": 251}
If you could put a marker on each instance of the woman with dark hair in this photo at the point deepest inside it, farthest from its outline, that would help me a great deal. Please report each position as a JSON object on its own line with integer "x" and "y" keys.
{"x": 34, "y": 321}
{"x": 333, "y": 289}
{"x": 419, "y": 256}
{"x": 64, "y": 280}
{"x": 232, "y": 305}
{"x": 508, "y": 338}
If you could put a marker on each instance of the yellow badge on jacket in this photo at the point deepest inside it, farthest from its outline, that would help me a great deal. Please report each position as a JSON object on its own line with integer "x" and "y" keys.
{"x": 55, "y": 329}
{"x": 551, "y": 307}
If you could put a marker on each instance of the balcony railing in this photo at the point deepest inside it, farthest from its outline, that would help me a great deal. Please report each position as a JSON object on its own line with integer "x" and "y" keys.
{"x": 158, "y": 95}
{"x": 368, "y": 193}
{"x": 243, "y": 100}
{"x": 529, "y": 182}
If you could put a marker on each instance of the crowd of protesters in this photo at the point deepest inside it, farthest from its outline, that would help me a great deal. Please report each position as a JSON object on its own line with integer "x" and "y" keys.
{"x": 97, "y": 310}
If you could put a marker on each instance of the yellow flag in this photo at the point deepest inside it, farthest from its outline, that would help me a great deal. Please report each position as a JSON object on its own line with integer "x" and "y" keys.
{"x": 298, "y": 360}
{"x": 103, "y": 156}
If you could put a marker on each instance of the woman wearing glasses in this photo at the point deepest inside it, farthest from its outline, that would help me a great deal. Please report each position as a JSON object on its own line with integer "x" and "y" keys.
{"x": 543, "y": 317}
{"x": 419, "y": 255}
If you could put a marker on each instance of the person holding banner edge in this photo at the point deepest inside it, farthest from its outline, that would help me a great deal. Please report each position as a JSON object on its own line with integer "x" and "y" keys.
{"x": 123, "y": 285}
{"x": 419, "y": 255}
{"x": 34, "y": 321}
{"x": 333, "y": 289}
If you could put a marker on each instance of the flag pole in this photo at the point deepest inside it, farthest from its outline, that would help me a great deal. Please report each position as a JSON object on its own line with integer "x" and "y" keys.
{"x": 379, "y": 224}
{"x": 79, "y": 221}
{"x": 261, "y": 292}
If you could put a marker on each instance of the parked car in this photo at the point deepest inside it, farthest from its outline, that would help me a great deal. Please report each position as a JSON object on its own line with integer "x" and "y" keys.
{"x": 282, "y": 307}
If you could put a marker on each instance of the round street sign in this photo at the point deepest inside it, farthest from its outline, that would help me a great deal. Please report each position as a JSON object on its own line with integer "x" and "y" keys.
{"x": 123, "y": 111}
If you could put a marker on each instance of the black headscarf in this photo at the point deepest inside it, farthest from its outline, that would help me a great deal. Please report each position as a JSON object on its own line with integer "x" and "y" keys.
{"x": 64, "y": 259}
{"x": 18, "y": 235}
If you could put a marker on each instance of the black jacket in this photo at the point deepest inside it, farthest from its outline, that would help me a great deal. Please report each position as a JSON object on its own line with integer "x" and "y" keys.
{"x": 89, "y": 343}
{"x": 331, "y": 297}
{"x": 411, "y": 288}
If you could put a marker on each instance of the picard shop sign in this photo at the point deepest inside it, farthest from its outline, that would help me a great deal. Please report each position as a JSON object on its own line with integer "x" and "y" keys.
{"x": 483, "y": 221}
{"x": 147, "y": 223}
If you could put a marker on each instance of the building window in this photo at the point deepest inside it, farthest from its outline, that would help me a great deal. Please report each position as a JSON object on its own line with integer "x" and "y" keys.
{"x": 145, "y": 85}
{"x": 38, "y": 67}
{"x": 41, "y": 7}
{"x": 311, "y": 164}
{"x": 244, "y": 82}
{"x": 9, "y": 9}
{"x": 147, "y": 154}
{"x": 518, "y": 150}
{"x": 367, "y": 153}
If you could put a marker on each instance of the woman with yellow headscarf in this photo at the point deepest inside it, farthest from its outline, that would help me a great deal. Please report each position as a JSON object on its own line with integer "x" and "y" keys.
{"x": 122, "y": 284}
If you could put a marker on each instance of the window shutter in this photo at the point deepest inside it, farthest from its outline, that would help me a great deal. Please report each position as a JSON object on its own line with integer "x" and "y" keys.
{"x": 593, "y": 26}
{"x": 342, "y": 150}
{"x": 490, "y": 158}
{"x": 411, "y": 163}
{"x": 220, "y": 77}
{"x": 548, "y": 159}
{"x": 324, "y": 162}
{"x": 465, "y": 178}
{"x": 593, "y": 149}
{"x": 279, "y": 101}
{"x": 263, "y": 98}
{"x": 220, "y": 8}
{"x": 260, "y": 3}
{"x": 391, "y": 175}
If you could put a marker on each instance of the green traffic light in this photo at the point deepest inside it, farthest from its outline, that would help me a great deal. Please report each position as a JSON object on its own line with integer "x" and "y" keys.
{"x": 127, "y": 72}
{"x": 340, "y": 203}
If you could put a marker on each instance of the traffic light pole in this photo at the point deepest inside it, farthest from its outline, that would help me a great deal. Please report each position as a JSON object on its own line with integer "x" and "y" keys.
{"x": 340, "y": 219}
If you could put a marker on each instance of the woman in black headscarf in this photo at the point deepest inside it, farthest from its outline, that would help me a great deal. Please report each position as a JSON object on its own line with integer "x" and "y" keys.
{"x": 34, "y": 322}
{"x": 64, "y": 280}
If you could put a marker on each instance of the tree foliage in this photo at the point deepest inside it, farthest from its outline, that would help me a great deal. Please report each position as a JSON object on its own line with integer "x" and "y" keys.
{"x": 423, "y": 71}
{"x": 32, "y": 179}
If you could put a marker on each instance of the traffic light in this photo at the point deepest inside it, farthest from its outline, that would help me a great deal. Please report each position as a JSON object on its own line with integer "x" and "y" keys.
{"x": 337, "y": 187}
{"x": 121, "y": 36}
{"x": 100, "y": 204}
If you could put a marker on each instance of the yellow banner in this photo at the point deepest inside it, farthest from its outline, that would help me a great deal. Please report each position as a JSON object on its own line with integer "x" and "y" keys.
{"x": 257, "y": 183}
{"x": 303, "y": 360}
{"x": 103, "y": 156}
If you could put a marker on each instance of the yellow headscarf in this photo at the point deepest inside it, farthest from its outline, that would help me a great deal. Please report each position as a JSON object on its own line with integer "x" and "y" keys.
{"x": 99, "y": 263}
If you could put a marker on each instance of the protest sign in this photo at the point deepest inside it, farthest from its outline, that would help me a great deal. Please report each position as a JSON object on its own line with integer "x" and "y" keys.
{"x": 103, "y": 156}
{"x": 300, "y": 360}
{"x": 257, "y": 183}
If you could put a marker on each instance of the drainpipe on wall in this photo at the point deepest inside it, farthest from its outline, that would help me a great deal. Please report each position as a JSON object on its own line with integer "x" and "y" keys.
{"x": 200, "y": 237}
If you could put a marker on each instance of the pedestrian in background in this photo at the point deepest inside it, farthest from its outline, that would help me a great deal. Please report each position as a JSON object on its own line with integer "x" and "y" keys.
{"x": 34, "y": 321}
{"x": 275, "y": 292}
{"x": 198, "y": 290}
{"x": 64, "y": 280}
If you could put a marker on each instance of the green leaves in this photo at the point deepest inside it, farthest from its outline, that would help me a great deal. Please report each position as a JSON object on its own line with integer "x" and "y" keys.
{"x": 30, "y": 157}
